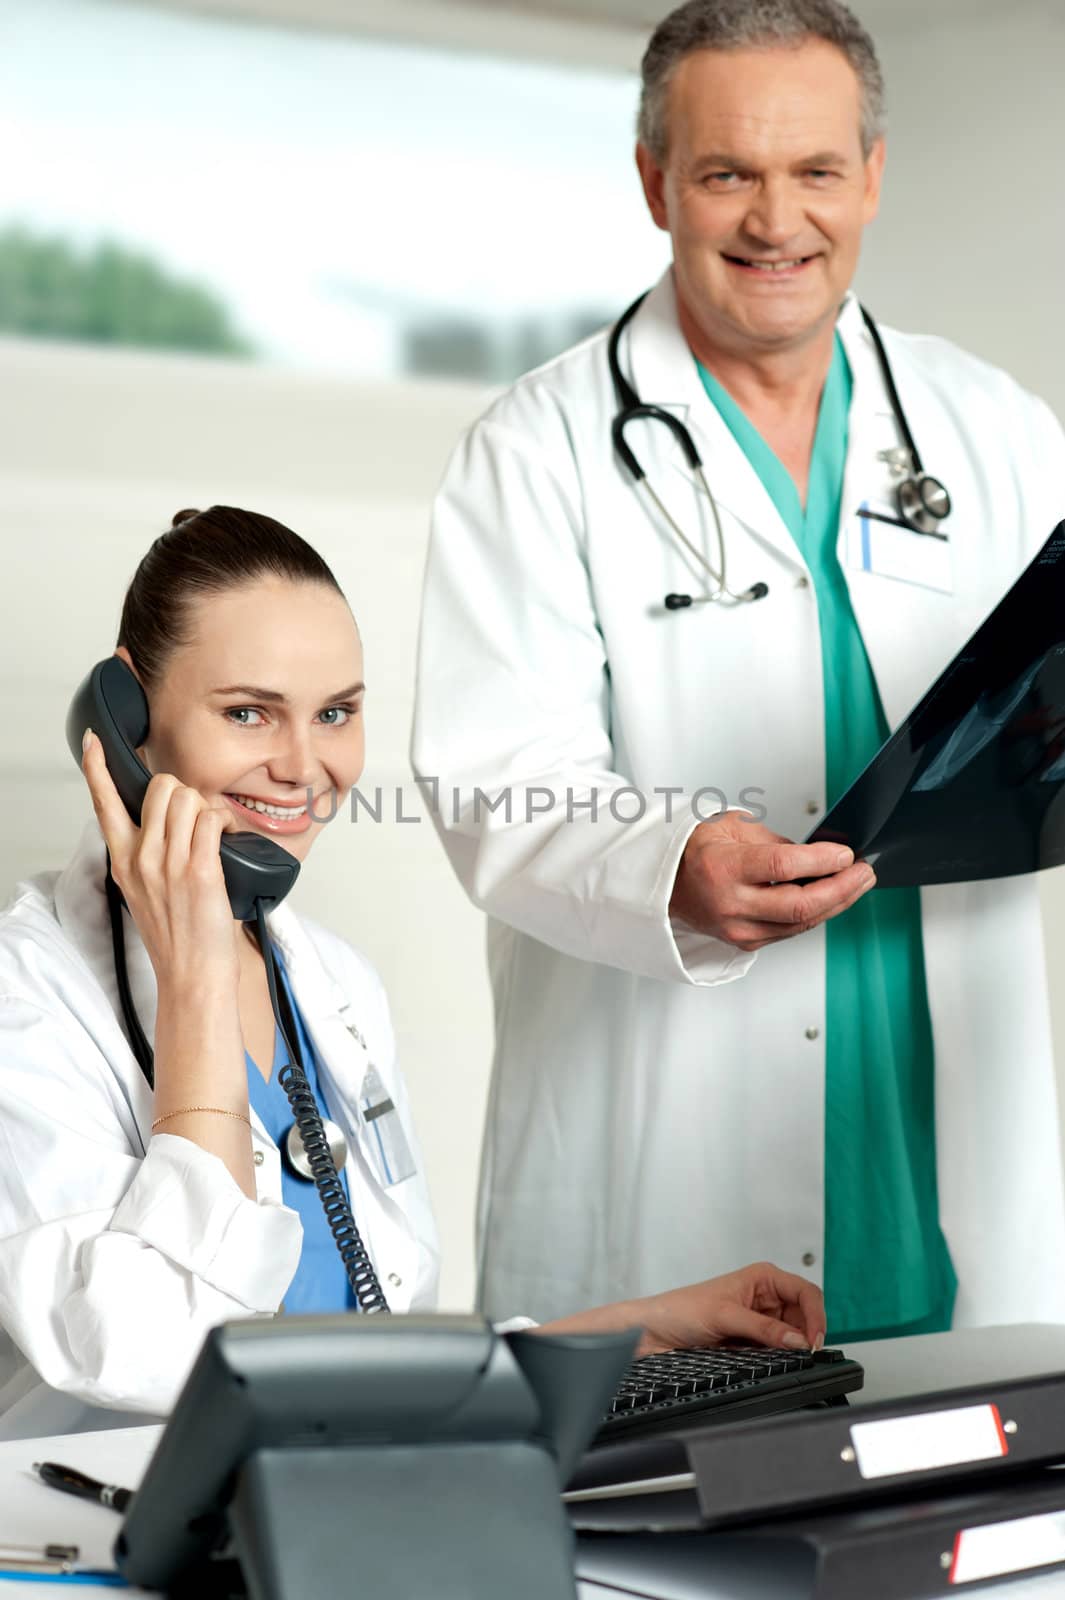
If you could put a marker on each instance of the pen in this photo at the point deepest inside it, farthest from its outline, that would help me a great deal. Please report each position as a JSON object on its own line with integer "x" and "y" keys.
{"x": 48, "y": 1557}
{"x": 70, "y": 1481}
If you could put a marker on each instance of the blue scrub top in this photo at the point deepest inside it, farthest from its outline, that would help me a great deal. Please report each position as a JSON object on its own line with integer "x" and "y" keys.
{"x": 320, "y": 1283}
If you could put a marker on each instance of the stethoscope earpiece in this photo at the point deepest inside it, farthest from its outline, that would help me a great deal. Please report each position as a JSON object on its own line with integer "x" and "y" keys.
{"x": 681, "y": 602}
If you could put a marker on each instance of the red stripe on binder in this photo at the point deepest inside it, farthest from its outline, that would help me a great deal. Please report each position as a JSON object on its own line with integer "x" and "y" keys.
{"x": 1001, "y": 1431}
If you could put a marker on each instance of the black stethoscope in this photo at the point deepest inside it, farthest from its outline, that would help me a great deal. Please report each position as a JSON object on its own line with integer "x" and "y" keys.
{"x": 921, "y": 501}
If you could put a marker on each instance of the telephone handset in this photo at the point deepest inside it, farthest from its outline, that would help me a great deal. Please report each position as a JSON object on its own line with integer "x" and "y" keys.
{"x": 112, "y": 703}
{"x": 258, "y": 874}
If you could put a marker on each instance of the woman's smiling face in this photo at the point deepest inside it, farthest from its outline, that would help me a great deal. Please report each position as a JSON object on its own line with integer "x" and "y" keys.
{"x": 263, "y": 706}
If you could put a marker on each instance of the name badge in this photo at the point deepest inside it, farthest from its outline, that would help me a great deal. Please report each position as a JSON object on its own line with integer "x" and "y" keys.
{"x": 890, "y": 552}
{"x": 389, "y": 1149}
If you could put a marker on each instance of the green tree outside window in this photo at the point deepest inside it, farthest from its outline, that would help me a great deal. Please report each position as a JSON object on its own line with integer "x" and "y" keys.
{"x": 107, "y": 295}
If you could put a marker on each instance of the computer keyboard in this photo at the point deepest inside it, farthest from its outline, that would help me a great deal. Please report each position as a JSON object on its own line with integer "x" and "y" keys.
{"x": 665, "y": 1391}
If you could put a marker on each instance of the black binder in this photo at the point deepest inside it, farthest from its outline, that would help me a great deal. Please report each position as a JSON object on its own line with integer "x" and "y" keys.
{"x": 938, "y": 1413}
{"x": 910, "y": 1549}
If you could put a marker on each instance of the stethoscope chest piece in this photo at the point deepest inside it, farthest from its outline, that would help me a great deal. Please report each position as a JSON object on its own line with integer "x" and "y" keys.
{"x": 295, "y": 1156}
{"x": 923, "y": 503}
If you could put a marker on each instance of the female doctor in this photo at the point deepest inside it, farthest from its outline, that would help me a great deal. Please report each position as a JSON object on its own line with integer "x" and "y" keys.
{"x": 131, "y": 1221}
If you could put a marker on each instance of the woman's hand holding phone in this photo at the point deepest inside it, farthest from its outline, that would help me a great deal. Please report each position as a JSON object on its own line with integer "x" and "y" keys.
{"x": 170, "y": 874}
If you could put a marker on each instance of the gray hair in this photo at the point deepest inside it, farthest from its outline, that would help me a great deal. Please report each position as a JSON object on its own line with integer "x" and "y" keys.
{"x": 741, "y": 25}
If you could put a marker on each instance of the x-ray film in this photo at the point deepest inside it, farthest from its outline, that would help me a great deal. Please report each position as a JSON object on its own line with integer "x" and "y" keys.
{"x": 970, "y": 786}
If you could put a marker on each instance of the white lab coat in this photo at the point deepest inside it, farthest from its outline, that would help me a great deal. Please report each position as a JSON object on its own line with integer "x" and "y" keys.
{"x": 119, "y": 1250}
{"x": 651, "y": 1121}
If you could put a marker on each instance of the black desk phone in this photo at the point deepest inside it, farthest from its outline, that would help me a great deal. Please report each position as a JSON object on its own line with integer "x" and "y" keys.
{"x": 112, "y": 703}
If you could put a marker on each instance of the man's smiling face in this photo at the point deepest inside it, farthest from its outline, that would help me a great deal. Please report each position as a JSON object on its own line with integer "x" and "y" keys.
{"x": 765, "y": 192}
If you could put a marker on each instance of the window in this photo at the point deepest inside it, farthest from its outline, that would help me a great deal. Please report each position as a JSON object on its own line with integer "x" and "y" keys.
{"x": 310, "y": 199}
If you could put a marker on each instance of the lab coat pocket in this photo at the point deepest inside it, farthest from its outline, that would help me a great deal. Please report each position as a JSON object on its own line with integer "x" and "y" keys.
{"x": 386, "y": 1142}
{"x": 889, "y": 552}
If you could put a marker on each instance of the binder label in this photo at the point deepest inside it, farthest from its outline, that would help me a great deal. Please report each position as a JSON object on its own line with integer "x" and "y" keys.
{"x": 1001, "y": 1547}
{"x": 928, "y": 1440}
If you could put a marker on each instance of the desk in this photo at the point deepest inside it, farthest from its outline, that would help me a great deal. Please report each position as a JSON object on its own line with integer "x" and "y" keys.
{"x": 32, "y": 1514}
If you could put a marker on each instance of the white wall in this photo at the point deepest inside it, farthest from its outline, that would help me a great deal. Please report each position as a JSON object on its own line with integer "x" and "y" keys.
{"x": 971, "y": 236}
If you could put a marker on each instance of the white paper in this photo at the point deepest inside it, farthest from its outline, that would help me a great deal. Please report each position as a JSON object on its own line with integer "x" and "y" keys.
{"x": 929, "y": 1439}
{"x": 33, "y": 1514}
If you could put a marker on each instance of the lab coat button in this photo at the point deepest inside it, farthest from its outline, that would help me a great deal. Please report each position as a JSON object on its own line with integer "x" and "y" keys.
{"x": 812, "y": 808}
{"x": 808, "y": 1258}
{"x": 258, "y": 1158}
{"x": 395, "y": 1280}
{"x": 813, "y": 1033}
{"x": 802, "y": 581}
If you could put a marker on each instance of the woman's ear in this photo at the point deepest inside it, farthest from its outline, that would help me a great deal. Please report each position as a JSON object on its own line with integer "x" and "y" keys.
{"x": 123, "y": 655}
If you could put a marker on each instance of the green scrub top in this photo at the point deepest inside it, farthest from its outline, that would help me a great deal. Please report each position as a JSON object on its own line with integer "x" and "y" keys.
{"x": 887, "y": 1269}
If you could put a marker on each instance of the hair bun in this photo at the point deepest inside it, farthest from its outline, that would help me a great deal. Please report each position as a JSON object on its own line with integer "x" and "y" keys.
{"x": 182, "y": 516}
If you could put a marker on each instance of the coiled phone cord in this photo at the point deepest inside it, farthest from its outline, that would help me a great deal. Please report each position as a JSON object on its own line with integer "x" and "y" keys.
{"x": 369, "y": 1296}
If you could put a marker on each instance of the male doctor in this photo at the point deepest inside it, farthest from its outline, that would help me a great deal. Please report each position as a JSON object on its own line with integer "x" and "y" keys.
{"x": 698, "y": 1057}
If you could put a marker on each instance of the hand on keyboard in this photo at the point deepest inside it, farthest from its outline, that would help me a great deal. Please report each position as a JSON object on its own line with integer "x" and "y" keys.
{"x": 758, "y": 1305}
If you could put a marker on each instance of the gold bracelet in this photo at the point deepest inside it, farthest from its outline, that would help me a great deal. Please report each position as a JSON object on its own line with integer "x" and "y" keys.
{"x": 215, "y": 1111}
